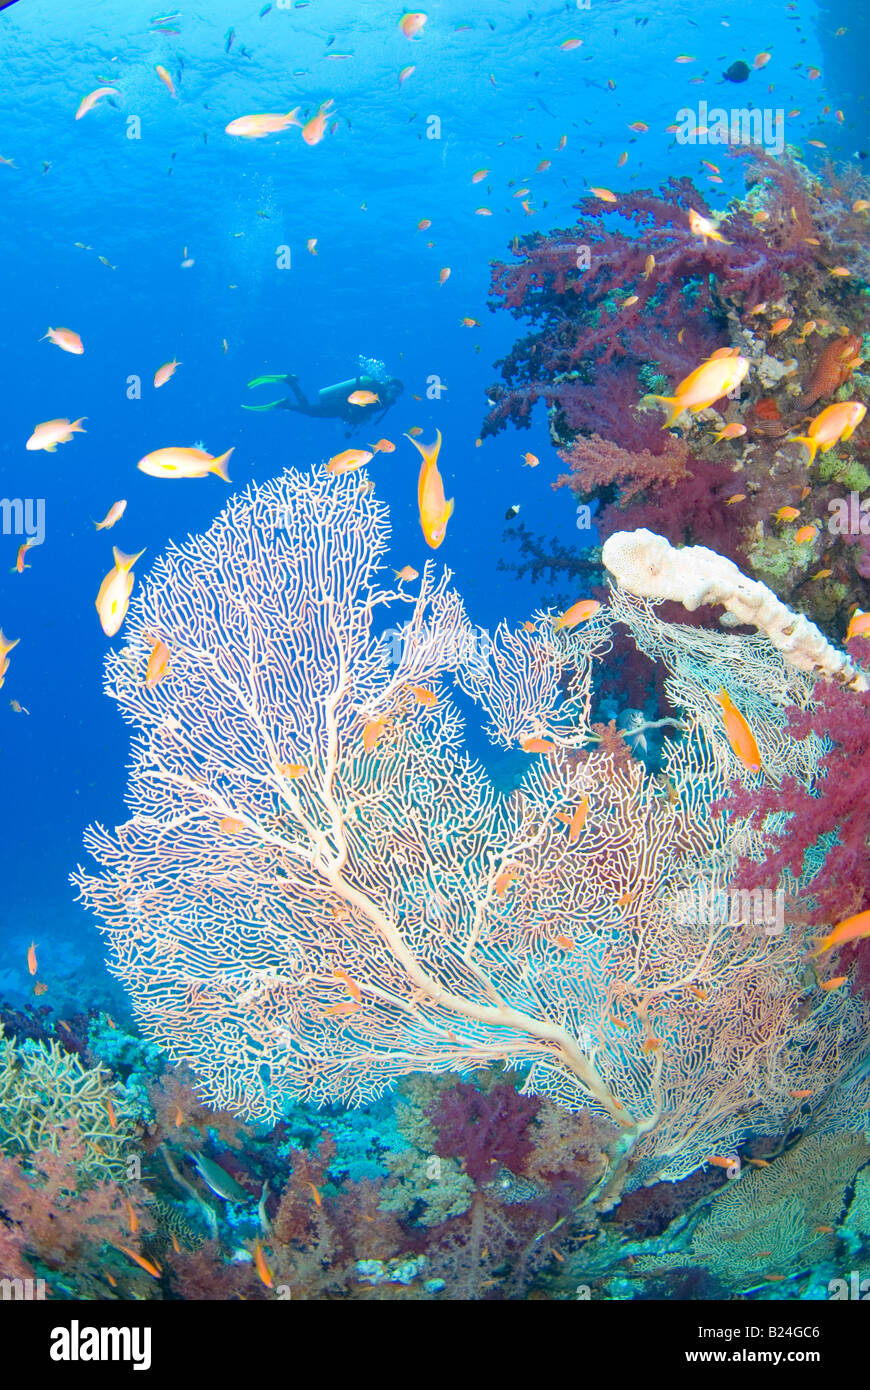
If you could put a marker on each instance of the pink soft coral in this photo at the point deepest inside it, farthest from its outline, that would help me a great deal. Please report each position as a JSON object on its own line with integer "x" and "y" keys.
{"x": 838, "y": 804}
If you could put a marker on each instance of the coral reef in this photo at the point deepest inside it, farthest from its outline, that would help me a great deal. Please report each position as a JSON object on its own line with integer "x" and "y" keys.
{"x": 43, "y": 1088}
{"x": 292, "y": 924}
{"x": 619, "y": 312}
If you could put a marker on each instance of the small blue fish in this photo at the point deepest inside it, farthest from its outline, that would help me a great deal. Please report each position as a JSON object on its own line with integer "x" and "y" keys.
{"x": 229, "y": 36}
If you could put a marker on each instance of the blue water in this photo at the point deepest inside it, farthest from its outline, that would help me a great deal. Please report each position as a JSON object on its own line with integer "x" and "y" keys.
{"x": 495, "y": 77}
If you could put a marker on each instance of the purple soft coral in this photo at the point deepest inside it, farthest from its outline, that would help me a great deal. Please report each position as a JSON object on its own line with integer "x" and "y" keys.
{"x": 487, "y": 1129}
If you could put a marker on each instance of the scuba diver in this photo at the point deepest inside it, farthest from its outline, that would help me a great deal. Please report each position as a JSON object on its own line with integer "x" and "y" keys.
{"x": 331, "y": 402}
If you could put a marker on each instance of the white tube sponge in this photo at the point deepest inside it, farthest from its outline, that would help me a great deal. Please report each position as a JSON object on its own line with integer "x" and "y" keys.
{"x": 649, "y": 566}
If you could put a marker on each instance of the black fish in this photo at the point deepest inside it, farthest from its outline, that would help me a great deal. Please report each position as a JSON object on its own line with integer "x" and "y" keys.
{"x": 738, "y": 72}
{"x": 511, "y": 513}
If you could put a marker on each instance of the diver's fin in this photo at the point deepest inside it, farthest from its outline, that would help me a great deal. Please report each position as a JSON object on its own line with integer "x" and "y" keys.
{"x": 273, "y": 405}
{"x": 263, "y": 380}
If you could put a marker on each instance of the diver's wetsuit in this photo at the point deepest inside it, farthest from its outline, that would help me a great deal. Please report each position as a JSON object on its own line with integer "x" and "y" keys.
{"x": 331, "y": 402}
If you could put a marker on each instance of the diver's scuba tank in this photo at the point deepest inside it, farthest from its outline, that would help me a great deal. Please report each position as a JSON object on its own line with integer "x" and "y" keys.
{"x": 337, "y": 395}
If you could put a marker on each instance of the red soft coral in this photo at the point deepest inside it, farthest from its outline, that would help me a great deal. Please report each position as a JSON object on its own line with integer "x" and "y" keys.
{"x": 839, "y": 803}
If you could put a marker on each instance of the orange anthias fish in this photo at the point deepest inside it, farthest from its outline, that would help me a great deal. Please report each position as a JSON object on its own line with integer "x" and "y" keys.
{"x": 423, "y": 696}
{"x": 363, "y": 398}
{"x": 530, "y": 460}
{"x": 5, "y": 648}
{"x": 435, "y": 511}
{"x": 739, "y": 734}
{"x": 162, "y": 375}
{"x": 165, "y": 79}
{"x": 66, "y": 339}
{"x": 115, "y": 591}
{"x": 732, "y": 431}
{"x": 724, "y": 1161}
{"x": 411, "y": 24}
{"x": 350, "y": 985}
{"x": 707, "y": 384}
{"x": 263, "y": 1270}
{"x": 383, "y": 446}
{"x": 113, "y": 515}
{"x": 255, "y": 127}
{"x": 579, "y": 612}
{"x": 158, "y": 663}
{"x": 153, "y": 1269}
{"x": 92, "y": 98}
{"x": 504, "y": 881}
{"x": 576, "y": 822}
{"x": 31, "y": 958}
{"x": 406, "y": 574}
{"x": 537, "y": 745}
{"x": 859, "y": 624}
{"x": 703, "y": 227}
{"x": 177, "y": 462}
{"x": 347, "y": 461}
{"x": 230, "y": 825}
{"x": 852, "y": 929}
{"x": 372, "y": 733}
{"x": 314, "y": 130}
{"x": 50, "y": 433}
{"x": 836, "y": 422}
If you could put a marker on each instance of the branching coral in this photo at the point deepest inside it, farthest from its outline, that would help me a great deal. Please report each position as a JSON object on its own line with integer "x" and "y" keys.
{"x": 378, "y": 908}
{"x": 43, "y": 1088}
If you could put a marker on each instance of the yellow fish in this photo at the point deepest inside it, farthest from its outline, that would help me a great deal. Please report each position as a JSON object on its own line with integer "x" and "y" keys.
{"x": 706, "y": 384}
{"x": 113, "y": 515}
{"x": 347, "y": 461}
{"x": 50, "y": 433}
{"x": 852, "y": 929}
{"x": 579, "y": 612}
{"x": 66, "y": 339}
{"x": 92, "y": 98}
{"x": 162, "y": 375}
{"x": 176, "y": 462}
{"x": 115, "y": 591}
{"x": 836, "y": 422}
{"x": 703, "y": 227}
{"x": 255, "y": 127}
{"x": 5, "y": 648}
{"x": 363, "y": 398}
{"x": 435, "y": 511}
{"x": 165, "y": 79}
{"x": 738, "y": 732}
{"x": 314, "y": 130}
